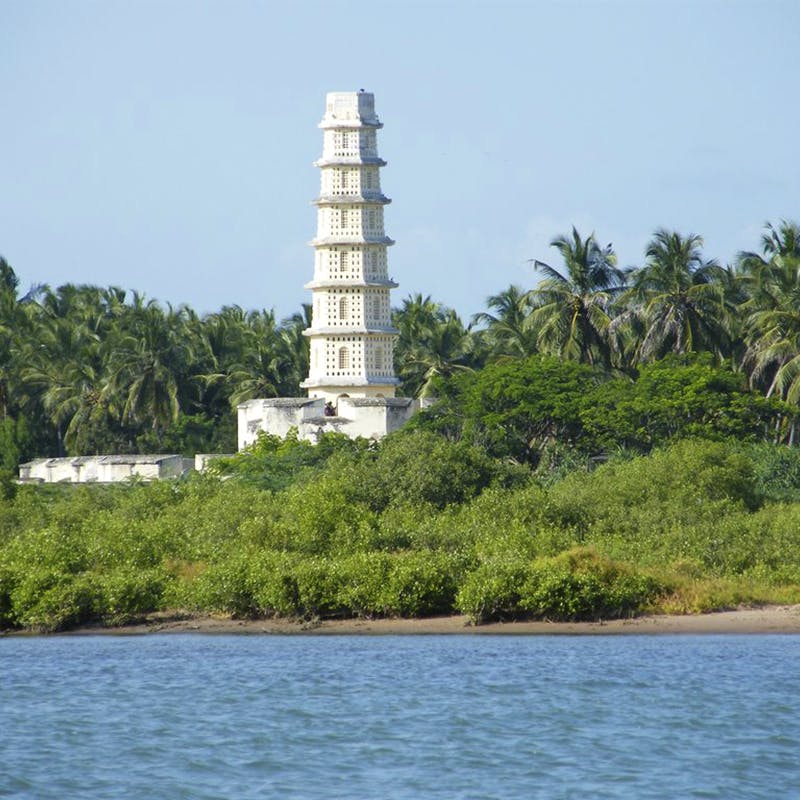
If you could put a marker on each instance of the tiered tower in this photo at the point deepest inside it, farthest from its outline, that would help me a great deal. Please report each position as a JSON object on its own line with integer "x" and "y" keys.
{"x": 351, "y": 382}
{"x": 351, "y": 334}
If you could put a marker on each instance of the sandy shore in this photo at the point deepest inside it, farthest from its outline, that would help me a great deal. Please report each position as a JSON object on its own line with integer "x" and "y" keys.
{"x": 769, "y": 619}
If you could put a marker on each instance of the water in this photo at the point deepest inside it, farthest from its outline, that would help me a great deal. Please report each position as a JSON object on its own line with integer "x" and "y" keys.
{"x": 400, "y": 717}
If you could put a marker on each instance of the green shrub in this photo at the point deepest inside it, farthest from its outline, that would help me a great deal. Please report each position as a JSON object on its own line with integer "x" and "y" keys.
{"x": 576, "y": 585}
{"x": 492, "y": 590}
{"x": 7, "y": 616}
{"x": 422, "y": 583}
{"x": 224, "y": 586}
{"x": 317, "y": 583}
{"x": 275, "y": 589}
{"x": 582, "y": 585}
{"x": 776, "y": 470}
{"x": 49, "y": 602}
{"x": 366, "y": 588}
{"x": 126, "y": 593}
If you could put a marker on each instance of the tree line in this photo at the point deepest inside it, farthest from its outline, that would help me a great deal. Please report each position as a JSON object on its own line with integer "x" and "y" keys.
{"x": 90, "y": 370}
{"x": 588, "y": 310}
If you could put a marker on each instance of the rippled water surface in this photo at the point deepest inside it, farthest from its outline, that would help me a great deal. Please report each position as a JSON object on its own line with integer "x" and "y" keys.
{"x": 188, "y": 716}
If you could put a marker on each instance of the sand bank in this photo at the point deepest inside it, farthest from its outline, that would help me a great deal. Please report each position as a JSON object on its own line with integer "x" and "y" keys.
{"x": 768, "y": 619}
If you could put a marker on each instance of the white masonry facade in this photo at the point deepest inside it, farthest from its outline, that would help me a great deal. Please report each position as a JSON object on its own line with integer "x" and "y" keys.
{"x": 351, "y": 382}
{"x": 351, "y": 336}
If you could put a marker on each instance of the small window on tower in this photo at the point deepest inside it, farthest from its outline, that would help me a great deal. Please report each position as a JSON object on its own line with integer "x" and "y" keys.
{"x": 344, "y": 260}
{"x": 344, "y": 358}
{"x": 344, "y": 308}
{"x": 343, "y": 217}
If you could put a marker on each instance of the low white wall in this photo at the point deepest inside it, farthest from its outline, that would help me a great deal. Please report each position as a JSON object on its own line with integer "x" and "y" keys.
{"x": 103, "y": 469}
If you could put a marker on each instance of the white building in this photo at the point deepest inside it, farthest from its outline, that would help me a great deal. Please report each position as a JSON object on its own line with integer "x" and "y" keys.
{"x": 351, "y": 381}
{"x": 104, "y": 469}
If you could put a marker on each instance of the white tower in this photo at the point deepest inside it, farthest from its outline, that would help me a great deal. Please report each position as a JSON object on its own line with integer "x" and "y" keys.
{"x": 351, "y": 334}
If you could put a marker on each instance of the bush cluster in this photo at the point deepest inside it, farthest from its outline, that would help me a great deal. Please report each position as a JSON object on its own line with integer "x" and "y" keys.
{"x": 578, "y": 584}
{"x": 415, "y": 526}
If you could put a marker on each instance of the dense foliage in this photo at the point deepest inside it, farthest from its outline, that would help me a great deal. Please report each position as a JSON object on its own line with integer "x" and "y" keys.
{"x": 414, "y": 526}
{"x": 609, "y": 442}
{"x": 529, "y": 408}
{"x": 87, "y": 370}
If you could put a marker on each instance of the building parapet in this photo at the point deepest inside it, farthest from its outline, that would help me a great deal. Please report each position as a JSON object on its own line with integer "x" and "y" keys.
{"x": 104, "y": 469}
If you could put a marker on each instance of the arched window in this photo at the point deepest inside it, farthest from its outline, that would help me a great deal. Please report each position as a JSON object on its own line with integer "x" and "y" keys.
{"x": 344, "y": 358}
{"x": 344, "y": 307}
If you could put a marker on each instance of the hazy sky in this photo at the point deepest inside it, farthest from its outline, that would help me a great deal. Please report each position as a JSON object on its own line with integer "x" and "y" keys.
{"x": 168, "y": 146}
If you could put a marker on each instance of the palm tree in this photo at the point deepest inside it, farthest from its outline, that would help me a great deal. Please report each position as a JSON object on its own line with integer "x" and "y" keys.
{"x": 508, "y": 329}
{"x": 61, "y": 367}
{"x": 415, "y": 317}
{"x": 263, "y": 363}
{"x": 221, "y": 341}
{"x": 571, "y": 312}
{"x": 677, "y": 298}
{"x": 768, "y": 275}
{"x": 9, "y": 325}
{"x": 295, "y": 349}
{"x": 251, "y": 355}
{"x": 149, "y": 365}
{"x": 432, "y": 342}
{"x": 444, "y": 350}
{"x": 772, "y": 321}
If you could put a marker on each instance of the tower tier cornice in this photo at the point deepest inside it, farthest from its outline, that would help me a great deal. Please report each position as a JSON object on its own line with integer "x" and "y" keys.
{"x": 349, "y": 124}
{"x": 373, "y": 330}
{"x": 351, "y": 161}
{"x": 339, "y": 380}
{"x": 351, "y": 200}
{"x": 331, "y": 241}
{"x": 377, "y": 283}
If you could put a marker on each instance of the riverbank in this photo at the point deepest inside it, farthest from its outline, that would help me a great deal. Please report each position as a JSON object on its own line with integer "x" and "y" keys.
{"x": 784, "y": 619}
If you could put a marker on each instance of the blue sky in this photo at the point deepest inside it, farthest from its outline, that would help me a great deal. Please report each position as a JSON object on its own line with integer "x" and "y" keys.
{"x": 168, "y": 146}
